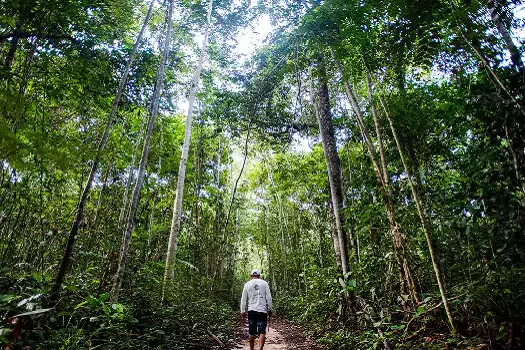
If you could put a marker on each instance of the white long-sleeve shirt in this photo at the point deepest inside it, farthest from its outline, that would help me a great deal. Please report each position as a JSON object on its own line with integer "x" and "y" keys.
{"x": 257, "y": 293}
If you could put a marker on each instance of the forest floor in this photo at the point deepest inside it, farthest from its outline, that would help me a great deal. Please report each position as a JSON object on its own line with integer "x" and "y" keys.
{"x": 281, "y": 335}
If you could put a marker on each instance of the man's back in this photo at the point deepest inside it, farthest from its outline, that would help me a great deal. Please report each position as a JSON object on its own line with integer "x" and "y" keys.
{"x": 257, "y": 293}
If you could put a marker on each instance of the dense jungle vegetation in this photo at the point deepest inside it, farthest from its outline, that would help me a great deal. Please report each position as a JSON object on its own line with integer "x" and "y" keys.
{"x": 369, "y": 157}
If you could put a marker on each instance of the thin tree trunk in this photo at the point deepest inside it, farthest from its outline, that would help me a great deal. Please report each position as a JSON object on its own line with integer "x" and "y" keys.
{"x": 131, "y": 173}
{"x": 98, "y": 155}
{"x": 386, "y": 178}
{"x": 398, "y": 239}
{"x": 351, "y": 239}
{"x": 424, "y": 224}
{"x": 177, "y": 205}
{"x": 117, "y": 282}
{"x": 239, "y": 176}
{"x": 333, "y": 232}
{"x": 156, "y": 194}
{"x": 333, "y": 162}
{"x": 151, "y": 223}
{"x": 94, "y": 224}
{"x": 486, "y": 64}
{"x": 235, "y": 248}
{"x": 514, "y": 157}
{"x": 353, "y": 234}
{"x": 99, "y": 201}
{"x": 359, "y": 116}
{"x": 198, "y": 186}
{"x": 216, "y": 225}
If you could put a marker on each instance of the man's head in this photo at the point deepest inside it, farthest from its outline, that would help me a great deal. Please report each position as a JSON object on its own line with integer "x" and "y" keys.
{"x": 256, "y": 274}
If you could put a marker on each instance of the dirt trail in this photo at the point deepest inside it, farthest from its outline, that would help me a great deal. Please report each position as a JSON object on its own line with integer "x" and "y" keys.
{"x": 281, "y": 336}
{"x": 274, "y": 341}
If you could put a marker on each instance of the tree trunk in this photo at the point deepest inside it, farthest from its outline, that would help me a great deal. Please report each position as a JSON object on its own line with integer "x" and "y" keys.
{"x": 10, "y": 57}
{"x": 93, "y": 227}
{"x": 333, "y": 232}
{"x": 486, "y": 64}
{"x": 98, "y": 155}
{"x": 424, "y": 224}
{"x": 352, "y": 233}
{"x": 177, "y": 205}
{"x": 130, "y": 173}
{"x": 99, "y": 201}
{"x": 333, "y": 229}
{"x": 397, "y": 237}
{"x": 333, "y": 162}
{"x": 218, "y": 232}
{"x": 151, "y": 224}
{"x": 216, "y": 225}
{"x": 386, "y": 178}
{"x": 199, "y": 183}
{"x": 156, "y": 193}
{"x": 239, "y": 176}
{"x": 130, "y": 226}
{"x": 495, "y": 14}
{"x": 360, "y": 119}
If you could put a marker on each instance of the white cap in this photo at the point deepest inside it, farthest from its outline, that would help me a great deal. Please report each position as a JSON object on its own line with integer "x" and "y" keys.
{"x": 256, "y": 272}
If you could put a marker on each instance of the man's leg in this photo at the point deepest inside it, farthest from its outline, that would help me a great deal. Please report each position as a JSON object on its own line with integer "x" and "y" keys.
{"x": 262, "y": 338}
{"x": 252, "y": 342}
{"x": 261, "y": 328}
{"x": 252, "y": 328}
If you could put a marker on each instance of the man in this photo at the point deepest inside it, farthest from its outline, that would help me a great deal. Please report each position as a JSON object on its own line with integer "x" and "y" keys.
{"x": 257, "y": 293}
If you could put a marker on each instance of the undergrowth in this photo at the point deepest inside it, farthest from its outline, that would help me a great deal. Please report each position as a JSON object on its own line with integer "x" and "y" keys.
{"x": 85, "y": 318}
{"x": 482, "y": 320}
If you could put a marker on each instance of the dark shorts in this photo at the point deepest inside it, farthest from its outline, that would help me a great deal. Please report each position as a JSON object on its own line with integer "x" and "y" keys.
{"x": 257, "y": 322}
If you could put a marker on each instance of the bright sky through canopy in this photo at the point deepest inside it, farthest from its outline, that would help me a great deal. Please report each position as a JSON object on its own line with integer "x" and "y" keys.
{"x": 253, "y": 37}
{"x": 247, "y": 41}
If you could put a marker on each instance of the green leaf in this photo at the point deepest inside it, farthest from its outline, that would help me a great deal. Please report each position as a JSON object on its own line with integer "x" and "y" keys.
{"x": 81, "y": 304}
{"x": 36, "y": 312}
{"x": 7, "y": 298}
{"x": 399, "y": 327}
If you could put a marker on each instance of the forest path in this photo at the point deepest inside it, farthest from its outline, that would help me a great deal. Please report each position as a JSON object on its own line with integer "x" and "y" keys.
{"x": 280, "y": 336}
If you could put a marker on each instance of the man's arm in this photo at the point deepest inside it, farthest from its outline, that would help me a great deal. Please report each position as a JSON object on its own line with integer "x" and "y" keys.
{"x": 269, "y": 298}
{"x": 244, "y": 298}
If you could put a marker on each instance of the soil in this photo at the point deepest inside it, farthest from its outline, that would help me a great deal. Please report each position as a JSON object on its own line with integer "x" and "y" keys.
{"x": 281, "y": 336}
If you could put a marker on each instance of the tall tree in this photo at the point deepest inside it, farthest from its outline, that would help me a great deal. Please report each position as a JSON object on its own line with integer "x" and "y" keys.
{"x": 497, "y": 8}
{"x": 157, "y": 94}
{"x": 398, "y": 239}
{"x": 131, "y": 173}
{"x": 96, "y": 161}
{"x": 177, "y": 205}
{"x": 424, "y": 221}
{"x": 333, "y": 162}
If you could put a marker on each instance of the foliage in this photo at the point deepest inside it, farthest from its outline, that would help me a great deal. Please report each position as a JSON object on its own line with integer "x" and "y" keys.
{"x": 444, "y": 78}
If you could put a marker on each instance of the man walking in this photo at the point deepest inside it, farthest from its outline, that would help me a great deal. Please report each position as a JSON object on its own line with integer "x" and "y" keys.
{"x": 256, "y": 293}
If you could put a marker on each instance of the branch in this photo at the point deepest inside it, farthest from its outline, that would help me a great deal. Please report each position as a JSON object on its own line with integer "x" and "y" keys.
{"x": 240, "y": 174}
